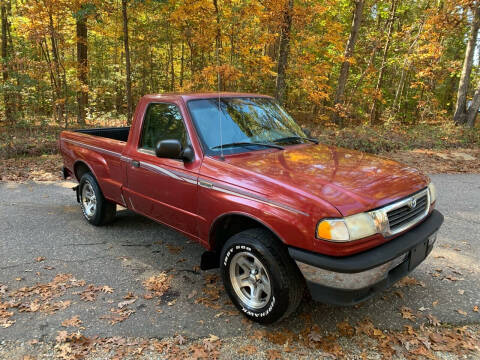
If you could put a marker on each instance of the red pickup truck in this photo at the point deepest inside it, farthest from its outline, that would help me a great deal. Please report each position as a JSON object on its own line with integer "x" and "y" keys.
{"x": 274, "y": 209}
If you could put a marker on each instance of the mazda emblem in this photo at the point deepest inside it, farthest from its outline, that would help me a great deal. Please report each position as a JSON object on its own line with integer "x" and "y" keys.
{"x": 412, "y": 203}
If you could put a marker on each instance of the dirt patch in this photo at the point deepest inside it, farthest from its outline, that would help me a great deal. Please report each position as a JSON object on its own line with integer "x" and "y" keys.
{"x": 35, "y": 168}
{"x": 453, "y": 161}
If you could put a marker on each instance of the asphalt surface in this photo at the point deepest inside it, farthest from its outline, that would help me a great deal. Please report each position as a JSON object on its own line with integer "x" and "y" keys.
{"x": 44, "y": 220}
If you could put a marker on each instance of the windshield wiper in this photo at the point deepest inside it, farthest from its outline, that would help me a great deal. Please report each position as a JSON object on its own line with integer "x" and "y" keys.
{"x": 247, "y": 144}
{"x": 289, "y": 138}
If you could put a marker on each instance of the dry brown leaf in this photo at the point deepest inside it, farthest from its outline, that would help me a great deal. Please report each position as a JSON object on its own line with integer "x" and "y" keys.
{"x": 180, "y": 340}
{"x": 74, "y": 322}
{"x": 408, "y": 281}
{"x": 345, "y": 329}
{"x": 107, "y": 289}
{"x": 274, "y": 354}
{"x": 248, "y": 350}
{"x": 462, "y": 312}
{"x": 40, "y": 259}
{"x": 158, "y": 284}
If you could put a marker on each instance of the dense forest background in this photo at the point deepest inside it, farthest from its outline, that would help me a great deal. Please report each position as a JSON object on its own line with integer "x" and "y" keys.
{"x": 341, "y": 63}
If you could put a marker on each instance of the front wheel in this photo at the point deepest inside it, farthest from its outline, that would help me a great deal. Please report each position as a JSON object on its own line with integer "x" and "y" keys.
{"x": 96, "y": 209}
{"x": 260, "y": 277}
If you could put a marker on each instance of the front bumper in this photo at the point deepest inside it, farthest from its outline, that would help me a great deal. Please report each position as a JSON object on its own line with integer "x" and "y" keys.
{"x": 352, "y": 279}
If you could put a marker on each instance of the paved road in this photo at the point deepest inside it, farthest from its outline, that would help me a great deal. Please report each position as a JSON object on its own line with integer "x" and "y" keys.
{"x": 44, "y": 220}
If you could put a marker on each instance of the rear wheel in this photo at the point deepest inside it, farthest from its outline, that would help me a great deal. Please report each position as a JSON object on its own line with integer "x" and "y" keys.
{"x": 96, "y": 209}
{"x": 260, "y": 277}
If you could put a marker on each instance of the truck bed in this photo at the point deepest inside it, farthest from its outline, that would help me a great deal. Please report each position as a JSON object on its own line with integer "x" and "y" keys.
{"x": 116, "y": 133}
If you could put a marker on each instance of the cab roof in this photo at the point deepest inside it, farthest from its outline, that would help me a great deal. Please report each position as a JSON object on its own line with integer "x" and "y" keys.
{"x": 201, "y": 95}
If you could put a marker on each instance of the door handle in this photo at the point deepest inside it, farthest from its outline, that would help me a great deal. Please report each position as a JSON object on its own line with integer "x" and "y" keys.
{"x": 136, "y": 163}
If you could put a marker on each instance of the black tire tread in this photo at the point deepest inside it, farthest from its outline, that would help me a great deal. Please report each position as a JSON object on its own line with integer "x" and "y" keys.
{"x": 290, "y": 271}
{"x": 108, "y": 209}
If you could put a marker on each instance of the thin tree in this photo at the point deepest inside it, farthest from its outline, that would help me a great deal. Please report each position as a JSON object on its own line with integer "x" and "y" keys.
{"x": 374, "y": 112}
{"x": 5, "y": 59}
{"x": 127, "y": 62}
{"x": 283, "y": 52}
{"x": 460, "y": 116}
{"x": 349, "y": 49}
{"x": 82, "y": 63}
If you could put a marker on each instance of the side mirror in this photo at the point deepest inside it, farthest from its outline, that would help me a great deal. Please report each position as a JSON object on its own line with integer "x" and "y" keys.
{"x": 172, "y": 149}
{"x": 307, "y": 132}
{"x": 168, "y": 149}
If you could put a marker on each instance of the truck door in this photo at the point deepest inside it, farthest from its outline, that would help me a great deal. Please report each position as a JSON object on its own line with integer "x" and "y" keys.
{"x": 160, "y": 188}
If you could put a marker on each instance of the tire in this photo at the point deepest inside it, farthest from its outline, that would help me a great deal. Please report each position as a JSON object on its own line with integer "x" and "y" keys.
{"x": 260, "y": 277}
{"x": 96, "y": 209}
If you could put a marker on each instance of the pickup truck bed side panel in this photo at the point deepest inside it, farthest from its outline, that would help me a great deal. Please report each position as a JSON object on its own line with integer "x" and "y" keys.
{"x": 103, "y": 156}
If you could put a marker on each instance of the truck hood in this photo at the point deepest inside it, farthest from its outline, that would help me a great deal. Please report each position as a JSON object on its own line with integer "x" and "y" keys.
{"x": 349, "y": 180}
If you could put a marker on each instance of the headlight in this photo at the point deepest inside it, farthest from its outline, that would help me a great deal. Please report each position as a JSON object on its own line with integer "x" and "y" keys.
{"x": 433, "y": 192}
{"x": 350, "y": 228}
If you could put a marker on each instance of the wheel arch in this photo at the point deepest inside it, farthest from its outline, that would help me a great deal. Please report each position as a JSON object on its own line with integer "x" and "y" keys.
{"x": 80, "y": 167}
{"x": 229, "y": 224}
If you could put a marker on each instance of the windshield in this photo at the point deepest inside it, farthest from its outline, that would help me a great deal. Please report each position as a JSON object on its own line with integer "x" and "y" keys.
{"x": 243, "y": 120}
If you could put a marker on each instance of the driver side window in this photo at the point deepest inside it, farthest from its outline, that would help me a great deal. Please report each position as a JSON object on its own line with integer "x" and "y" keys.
{"x": 162, "y": 122}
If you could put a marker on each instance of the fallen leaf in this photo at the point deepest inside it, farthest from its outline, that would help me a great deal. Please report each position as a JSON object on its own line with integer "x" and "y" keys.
{"x": 408, "y": 281}
{"x": 248, "y": 349}
{"x": 407, "y": 313}
{"x": 433, "y": 320}
{"x": 171, "y": 303}
{"x": 125, "y": 303}
{"x": 74, "y": 322}
{"x": 461, "y": 292}
{"x": 345, "y": 329}
{"x": 273, "y": 354}
{"x": 192, "y": 294}
{"x": 475, "y": 308}
{"x": 107, "y": 289}
{"x": 461, "y": 312}
{"x": 180, "y": 340}
{"x": 40, "y": 258}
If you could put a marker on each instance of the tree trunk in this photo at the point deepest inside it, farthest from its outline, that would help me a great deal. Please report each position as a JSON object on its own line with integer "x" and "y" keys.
{"x": 182, "y": 65}
{"x": 471, "y": 115}
{"x": 342, "y": 80}
{"x": 82, "y": 68}
{"x": 172, "y": 67}
{"x": 460, "y": 116}
{"x": 127, "y": 63}
{"x": 5, "y": 67}
{"x": 374, "y": 113}
{"x": 284, "y": 49}
{"x": 59, "y": 104}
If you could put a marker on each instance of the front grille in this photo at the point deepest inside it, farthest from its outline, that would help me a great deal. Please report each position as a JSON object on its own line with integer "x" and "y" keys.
{"x": 407, "y": 214}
